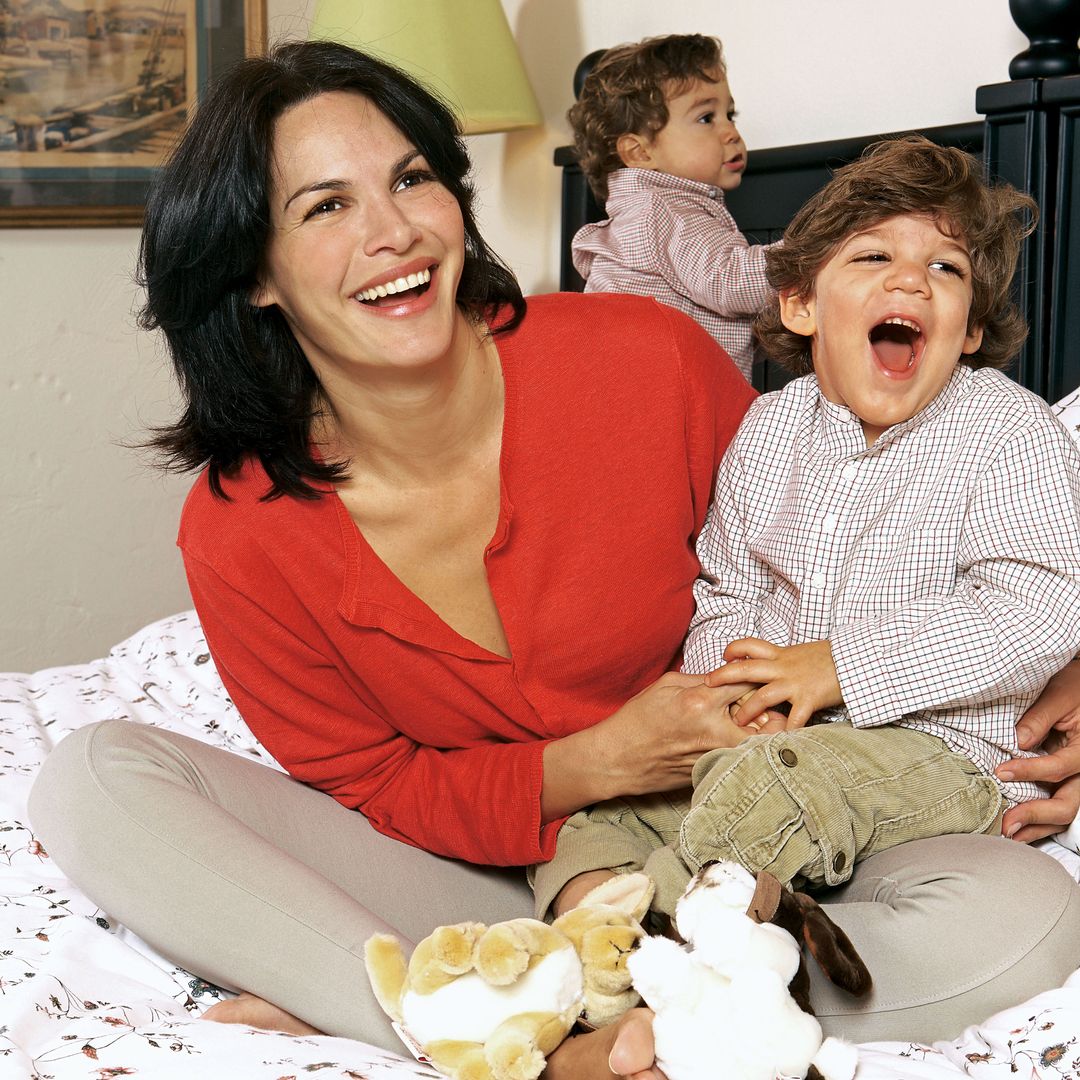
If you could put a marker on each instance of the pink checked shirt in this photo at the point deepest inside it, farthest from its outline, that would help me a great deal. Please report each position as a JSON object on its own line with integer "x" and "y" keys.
{"x": 674, "y": 240}
{"x": 942, "y": 563}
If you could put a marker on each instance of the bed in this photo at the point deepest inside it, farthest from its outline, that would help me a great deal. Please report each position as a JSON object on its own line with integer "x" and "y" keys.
{"x": 81, "y": 996}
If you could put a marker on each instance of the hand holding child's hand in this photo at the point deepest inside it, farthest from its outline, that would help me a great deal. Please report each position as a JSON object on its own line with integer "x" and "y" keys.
{"x": 803, "y": 675}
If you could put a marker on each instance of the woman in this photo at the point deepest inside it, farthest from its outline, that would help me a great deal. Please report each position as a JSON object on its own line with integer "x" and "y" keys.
{"x": 443, "y": 556}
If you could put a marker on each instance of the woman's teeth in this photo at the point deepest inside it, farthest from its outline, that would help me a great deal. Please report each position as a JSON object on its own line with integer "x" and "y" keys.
{"x": 398, "y": 285}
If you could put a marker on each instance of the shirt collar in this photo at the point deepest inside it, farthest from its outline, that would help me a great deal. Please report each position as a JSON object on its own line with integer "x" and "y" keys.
{"x": 632, "y": 181}
{"x": 841, "y": 415}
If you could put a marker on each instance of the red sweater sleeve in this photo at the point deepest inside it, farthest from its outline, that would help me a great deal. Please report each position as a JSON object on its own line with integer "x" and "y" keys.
{"x": 480, "y": 803}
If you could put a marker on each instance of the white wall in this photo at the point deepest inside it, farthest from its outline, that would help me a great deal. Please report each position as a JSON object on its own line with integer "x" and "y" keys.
{"x": 86, "y": 553}
{"x": 86, "y": 530}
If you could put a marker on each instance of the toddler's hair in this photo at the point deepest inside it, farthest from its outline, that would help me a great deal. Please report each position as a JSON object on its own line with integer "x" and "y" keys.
{"x": 909, "y": 175}
{"x": 625, "y": 91}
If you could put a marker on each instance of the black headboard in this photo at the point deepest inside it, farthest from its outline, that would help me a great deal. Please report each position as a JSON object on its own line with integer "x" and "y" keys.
{"x": 1030, "y": 137}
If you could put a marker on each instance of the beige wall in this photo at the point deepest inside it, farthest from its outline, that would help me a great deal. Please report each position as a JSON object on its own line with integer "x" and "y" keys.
{"x": 86, "y": 530}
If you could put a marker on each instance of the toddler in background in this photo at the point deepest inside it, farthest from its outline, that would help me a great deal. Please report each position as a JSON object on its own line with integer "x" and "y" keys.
{"x": 654, "y": 130}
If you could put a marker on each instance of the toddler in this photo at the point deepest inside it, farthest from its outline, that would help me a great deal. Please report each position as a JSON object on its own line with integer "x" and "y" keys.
{"x": 654, "y": 129}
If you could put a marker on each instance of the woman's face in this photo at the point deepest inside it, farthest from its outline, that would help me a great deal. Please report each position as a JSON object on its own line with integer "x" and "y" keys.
{"x": 366, "y": 246}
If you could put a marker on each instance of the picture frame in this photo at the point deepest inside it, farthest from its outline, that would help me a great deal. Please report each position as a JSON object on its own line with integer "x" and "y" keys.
{"x": 93, "y": 94}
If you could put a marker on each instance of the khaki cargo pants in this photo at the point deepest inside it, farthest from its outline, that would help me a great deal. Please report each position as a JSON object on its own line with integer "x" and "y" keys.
{"x": 804, "y": 805}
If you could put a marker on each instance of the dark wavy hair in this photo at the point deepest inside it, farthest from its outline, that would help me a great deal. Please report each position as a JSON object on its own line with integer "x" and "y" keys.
{"x": 626, "y": 92}
{"x": 248, "y": 388}
{"x": 908, "y": 175}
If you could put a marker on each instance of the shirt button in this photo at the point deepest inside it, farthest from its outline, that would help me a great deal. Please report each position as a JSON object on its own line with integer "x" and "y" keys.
{"x": 839, "y": 861}
{"x": 849, "y": 471}
{"x": 829, "y": 523}
{"x": 788, "y": 757}
{"x": 817, "y": 581}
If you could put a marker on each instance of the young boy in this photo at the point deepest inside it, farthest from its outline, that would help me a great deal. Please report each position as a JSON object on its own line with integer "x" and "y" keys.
{"x": 893, "y": 550}
{"x": 655, "y": 133}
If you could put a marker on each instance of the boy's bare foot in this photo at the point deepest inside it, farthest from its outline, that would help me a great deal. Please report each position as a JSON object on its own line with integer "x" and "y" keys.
{"x": 255, "y": 1012}
{"x": 625, "y": 1049}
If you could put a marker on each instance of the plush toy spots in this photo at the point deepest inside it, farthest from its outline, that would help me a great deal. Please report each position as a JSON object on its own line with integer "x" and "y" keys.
{"x": 725, "y": 1003}
{"x": 491, "y": 1002}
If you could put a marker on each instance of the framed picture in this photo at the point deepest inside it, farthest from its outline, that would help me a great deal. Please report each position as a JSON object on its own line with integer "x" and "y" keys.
{"x": 93, "y": 93}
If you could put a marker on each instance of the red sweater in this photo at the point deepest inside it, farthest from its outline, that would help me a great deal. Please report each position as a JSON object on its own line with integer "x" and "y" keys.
{"x": 617, "y": 412}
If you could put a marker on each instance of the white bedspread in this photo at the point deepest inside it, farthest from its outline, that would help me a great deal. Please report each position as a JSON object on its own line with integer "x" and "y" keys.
{"x": 81, "y": 997}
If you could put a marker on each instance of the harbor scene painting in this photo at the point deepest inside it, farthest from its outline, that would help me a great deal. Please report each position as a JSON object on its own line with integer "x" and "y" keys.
{"x": 94, "y": 93}
{"x": 108, "y": 82}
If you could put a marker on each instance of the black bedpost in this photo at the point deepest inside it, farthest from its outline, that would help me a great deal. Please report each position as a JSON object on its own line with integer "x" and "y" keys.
{"x": 1032, "y": 124}
{"x": 579, "y": 205}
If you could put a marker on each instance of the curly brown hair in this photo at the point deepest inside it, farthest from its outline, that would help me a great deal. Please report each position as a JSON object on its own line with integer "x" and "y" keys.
{"x": 908, "y": 175}
{"x": 625, "y": 94}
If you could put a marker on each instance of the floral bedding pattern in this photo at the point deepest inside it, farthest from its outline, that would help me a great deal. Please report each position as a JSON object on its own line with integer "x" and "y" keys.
{"x": 81, "y": 997}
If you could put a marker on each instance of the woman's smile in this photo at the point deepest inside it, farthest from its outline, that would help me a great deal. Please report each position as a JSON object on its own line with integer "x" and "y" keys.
{"x": 414, "y": 283}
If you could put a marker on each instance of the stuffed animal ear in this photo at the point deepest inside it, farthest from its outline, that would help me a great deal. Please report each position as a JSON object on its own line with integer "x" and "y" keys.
{"x": 832, "y": 948}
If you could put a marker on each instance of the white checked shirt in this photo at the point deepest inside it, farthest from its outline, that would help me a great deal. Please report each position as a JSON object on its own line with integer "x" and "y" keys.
{"x": 942, "y": 563}
{"x": 674, "y": 240}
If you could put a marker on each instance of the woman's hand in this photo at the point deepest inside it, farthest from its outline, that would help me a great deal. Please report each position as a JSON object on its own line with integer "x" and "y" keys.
{"x": 623, "y": 1049}
{"x": 649, "y": 745}
{"x": 804, "y": 675}
{"x": 1054, "y": 722}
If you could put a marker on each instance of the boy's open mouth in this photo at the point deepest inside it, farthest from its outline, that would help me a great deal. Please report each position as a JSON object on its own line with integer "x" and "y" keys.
{"x": 897, "y": 343}
{"x": 393, "y": 292}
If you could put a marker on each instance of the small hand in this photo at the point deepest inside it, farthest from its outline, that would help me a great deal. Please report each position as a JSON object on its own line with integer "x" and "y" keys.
{"x": 803, "y": 675}
{"x": 1054, "y": 722}
{"x": 769, "y": 723}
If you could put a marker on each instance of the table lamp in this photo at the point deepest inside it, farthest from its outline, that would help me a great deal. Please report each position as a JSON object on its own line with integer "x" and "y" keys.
{"x": 460, "y": 49}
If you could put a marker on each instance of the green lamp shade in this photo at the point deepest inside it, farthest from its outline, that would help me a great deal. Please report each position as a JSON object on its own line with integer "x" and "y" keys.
{"x": 461, "y": 49}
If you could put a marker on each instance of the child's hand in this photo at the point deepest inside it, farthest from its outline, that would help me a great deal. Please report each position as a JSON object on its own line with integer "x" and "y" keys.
{"x": 769, "y": 723}
{"x": 803, "y": 675}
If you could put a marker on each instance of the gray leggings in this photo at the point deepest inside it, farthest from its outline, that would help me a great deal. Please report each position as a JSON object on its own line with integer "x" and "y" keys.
{"x": 256, "y": 882}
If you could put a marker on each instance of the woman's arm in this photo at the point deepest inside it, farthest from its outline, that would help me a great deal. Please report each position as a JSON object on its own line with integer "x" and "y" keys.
{"x": 479, "y": 802}
{"x": 323, "y": 732}
{"x": 1053, "y": 721}
{"x": 649, "y": 745}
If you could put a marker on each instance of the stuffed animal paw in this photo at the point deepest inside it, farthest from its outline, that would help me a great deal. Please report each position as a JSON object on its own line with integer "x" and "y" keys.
{"x": 491, "y": 1002}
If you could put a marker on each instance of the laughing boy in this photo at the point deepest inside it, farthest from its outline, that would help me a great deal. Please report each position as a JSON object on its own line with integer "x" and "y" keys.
{"x": 893, "y": 551}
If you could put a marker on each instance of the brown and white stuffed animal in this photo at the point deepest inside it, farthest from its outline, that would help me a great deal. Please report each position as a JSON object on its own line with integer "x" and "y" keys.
{"x": 734, "y": 1001}
{"x": 491, "y": 1002}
